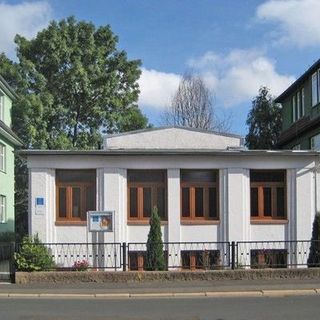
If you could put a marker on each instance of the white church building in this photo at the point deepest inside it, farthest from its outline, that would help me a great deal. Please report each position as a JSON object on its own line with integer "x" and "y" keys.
{"x": 206, "y": 186}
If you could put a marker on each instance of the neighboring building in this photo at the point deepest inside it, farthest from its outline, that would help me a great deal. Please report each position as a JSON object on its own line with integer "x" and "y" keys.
{"x": 301, "y": 112}
{"x": 8, "y": 142}
{"x": 208, "y": 189}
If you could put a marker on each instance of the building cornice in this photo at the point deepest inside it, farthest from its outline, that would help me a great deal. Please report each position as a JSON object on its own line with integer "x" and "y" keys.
{"x": 8, "y": 134}
{"x": 167, "y": 152}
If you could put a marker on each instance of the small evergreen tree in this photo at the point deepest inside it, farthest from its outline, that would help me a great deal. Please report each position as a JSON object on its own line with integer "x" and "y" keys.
{"x": 264, "y": 122}
{"x": 314, "y": 254}
{"x": 155, "y": 256}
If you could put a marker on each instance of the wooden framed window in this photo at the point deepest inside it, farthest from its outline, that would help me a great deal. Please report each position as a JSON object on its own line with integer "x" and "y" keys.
{"x": 268, "y": 194}
{"x": 137, "y": 260}
{"x": 75, "y": 194}
{"x": 200, "y": 259}
{"x": 268, "y": 258}
{"x": 199, "y": 195}
{"x": 146, "y": 189}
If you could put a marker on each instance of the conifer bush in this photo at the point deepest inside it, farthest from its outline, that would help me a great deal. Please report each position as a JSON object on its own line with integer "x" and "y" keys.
{"x": 314, "y": 254}
{"x": 155, "y": 260}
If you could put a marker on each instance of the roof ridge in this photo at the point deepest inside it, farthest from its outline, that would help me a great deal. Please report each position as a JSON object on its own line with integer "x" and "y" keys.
{"x": 226, "y": 134}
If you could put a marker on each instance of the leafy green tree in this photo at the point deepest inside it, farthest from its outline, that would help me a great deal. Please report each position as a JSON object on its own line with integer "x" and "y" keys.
{"x": 155, "y": 260}
{"x": 314, "y": 254}
{"x": 73, "y": 86}
{"x": 264, "y": 121}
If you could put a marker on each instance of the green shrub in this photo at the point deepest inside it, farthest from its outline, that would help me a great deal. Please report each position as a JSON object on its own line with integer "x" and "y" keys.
{"x": 155, "y": 256}
{"x": 33, "y": 255}
{"x": 314, "y": 254}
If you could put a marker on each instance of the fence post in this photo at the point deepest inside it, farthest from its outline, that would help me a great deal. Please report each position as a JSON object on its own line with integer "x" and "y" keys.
{"x": 233, "y": 255}
{"x": 12, "y": 268}
{"x": 124, "y": 256}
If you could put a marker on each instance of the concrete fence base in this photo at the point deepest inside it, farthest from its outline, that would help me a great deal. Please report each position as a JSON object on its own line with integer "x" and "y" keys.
{"x": 148, "y": 276}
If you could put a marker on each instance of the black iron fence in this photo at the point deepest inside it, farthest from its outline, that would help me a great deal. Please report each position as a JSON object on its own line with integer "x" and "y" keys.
{"x": 7, "y": 260}
{"x": 78, "y": 256}
{"x": 182, "y": 255}
{"x": 277, "y": 254}
{"x": 178, "y": 255}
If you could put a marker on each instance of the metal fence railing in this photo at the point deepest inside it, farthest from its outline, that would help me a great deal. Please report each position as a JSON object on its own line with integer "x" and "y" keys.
{"x": 6, "y": 260}
{"x": 178, "y": 255}
{"x": 77, "y": 256}
{"x": 277, "y": 254}
{"x": 183, "y": 255}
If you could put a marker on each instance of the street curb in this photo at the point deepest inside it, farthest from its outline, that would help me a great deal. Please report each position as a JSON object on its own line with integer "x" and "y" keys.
{"x": 210, "y": 294}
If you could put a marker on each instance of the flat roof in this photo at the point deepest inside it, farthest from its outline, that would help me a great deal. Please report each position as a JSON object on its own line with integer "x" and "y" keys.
{"x": 164, "y": 152}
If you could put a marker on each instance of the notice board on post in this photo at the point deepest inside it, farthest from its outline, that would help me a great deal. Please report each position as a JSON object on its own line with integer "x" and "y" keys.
{"x": 101, "y": 221}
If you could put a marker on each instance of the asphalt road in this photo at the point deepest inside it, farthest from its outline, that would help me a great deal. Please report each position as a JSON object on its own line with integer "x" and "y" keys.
{"x": 261, "y": 308}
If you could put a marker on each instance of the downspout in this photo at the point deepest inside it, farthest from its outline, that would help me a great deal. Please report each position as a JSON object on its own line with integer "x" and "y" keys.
{"x": 316, "y": 170}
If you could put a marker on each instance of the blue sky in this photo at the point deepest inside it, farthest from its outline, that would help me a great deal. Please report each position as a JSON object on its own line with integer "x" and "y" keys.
{"x": 237, "y": 46}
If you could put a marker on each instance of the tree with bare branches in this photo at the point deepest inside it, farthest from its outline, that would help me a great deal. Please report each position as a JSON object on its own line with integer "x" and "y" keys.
{"x": 193, "y": 106}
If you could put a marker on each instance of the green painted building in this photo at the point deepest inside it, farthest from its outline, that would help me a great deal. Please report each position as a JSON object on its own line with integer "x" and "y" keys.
{"x": 301, "y": 112}
{"x": 8, "y": 142}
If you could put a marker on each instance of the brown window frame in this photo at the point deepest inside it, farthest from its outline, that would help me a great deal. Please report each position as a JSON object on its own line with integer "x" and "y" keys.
{"x": 140, "y": 258}
{"x": 192, "y": 197}
{"x": 200, "y": 259}
{"x": 268, "y": 258}
{"x": 83, "y": 200}
{"x": 140, "y": 186}
{"x": 274, "y": 208}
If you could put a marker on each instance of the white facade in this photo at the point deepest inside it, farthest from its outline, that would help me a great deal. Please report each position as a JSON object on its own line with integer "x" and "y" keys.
{"x": 234, "y": 167}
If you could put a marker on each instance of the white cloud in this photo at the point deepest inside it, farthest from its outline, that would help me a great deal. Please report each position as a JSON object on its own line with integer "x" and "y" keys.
{"x": 297, "y": 21}
{"x": 157, "y": 88}
{"x": 26, "y": 19}
{"x": 237, "y": 76}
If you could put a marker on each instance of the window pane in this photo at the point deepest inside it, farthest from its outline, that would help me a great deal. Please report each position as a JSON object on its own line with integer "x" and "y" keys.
{"x": 199, "y": 202}
{"x": 76, "y": 202}
{"x": 294, "y": 110}
{"x": 3, "y": 208}
{"x": 147, "y": 175}
{"x": 133, "y": 203}
{"x": 267, "y": 203}
{"x": 254, "y": 202}
{"x": 314, "y": 89}
{"x": 302, "y": 103}
{"x": 147, "y": 202}
{"x": 161, "y": 202}
{"x": 63, "y": 202}
{"x": 185, "y": 202}
{"x": 213, "y": 201}
{"x": 185, "y": 259}
{"x": 90, "y": 198}
{"x": 88, "y": 176}
{"x": 267, "y": 175}
{"x": 198, "y": 175}
{"x": 2, "y": 157}
{"x": 315, "y": 142}
{"x": 280, "y": 203}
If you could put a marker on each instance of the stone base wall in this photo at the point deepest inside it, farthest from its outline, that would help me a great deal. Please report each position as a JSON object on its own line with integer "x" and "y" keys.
{"x": 124, "y": 277}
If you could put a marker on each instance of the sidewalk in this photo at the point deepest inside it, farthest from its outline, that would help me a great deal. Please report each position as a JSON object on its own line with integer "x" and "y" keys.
{"x": 164, "y": 289}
